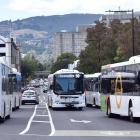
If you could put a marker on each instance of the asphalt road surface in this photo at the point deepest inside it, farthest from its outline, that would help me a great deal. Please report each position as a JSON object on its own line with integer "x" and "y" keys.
{"x": 38, "y": 122}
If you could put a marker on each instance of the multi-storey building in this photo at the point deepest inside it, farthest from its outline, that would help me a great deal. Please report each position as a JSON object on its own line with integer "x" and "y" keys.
{"x": 71, "y": 42}
{"x": 10, "y": 51}
{"x": 84, "y": 27}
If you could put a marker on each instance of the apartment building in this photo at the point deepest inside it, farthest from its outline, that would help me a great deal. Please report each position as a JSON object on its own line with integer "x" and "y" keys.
{"x": 10, "y": 51}
{"x": 71, "y": 42}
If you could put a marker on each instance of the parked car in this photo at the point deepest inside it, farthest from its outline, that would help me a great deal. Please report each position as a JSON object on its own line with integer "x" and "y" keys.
{"x": 30, "y": 96}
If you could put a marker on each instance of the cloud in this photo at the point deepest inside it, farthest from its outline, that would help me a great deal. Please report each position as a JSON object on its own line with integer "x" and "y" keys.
{"x": 51, "y": 7}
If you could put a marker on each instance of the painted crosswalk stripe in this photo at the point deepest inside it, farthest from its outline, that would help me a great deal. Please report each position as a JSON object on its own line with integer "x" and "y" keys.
{"x": 41, "y": 121}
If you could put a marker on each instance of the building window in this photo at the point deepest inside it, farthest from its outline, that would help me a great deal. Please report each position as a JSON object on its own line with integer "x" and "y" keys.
{"x": 2, "y": 45}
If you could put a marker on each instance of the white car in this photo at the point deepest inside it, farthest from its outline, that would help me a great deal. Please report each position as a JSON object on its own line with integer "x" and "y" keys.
{"x": 30, "y": 96}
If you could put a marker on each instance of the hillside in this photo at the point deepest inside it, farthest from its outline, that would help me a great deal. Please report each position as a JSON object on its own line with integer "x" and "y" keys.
{"x": 55, "y": 23}
{"x": 42, "y": 28}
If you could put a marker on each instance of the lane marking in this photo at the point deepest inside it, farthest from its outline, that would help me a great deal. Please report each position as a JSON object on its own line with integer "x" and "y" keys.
{"x": 97, "y": 133}
{"x": 80, "y": 121}
{"x": 29, "y": 123}
{"x": 41, "y": 121}
{"x": 41, "y": 115}
{"x": 51, "y": 122}
{"x": 38, "y": 135}
{"x": 123, "y": 133}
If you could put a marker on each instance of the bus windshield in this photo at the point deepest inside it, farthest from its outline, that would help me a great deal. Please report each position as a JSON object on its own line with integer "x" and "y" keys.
{"x": 68, "y": 84}
{"x": 89, "y": 82}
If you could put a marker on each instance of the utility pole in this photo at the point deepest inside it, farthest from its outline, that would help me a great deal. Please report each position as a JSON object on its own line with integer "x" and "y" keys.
{"x": 132, "y": 24}
{"x": 133, "y": 33}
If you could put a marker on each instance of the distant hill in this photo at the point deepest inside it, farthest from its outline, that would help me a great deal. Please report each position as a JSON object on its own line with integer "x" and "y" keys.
{"x": 43, "y": 27}
{"x": 55, "y": 23}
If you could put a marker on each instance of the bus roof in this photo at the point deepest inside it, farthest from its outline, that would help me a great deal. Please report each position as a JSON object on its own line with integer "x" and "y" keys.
{"x": 62, "y": 71}
{"x": 132, "y": 60}
{"x": 116, "y": 65}
{"x": 92, "y": 75}
{"x": 135, "y": 59}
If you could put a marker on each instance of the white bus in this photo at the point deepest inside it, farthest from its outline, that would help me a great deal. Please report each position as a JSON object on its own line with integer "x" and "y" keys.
{"x": 92, "y": 88}
{"x": 16, "y": 97}
{"x": 66, "y": 89}
{"x": 6, "y": 91}
{"x": 120, "y": 88}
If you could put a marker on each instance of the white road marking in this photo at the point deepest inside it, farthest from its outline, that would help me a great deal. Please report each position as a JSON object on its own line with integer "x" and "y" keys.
{"x": 41, "y": 121}
{"x": 51, "y": 122}
{"x": 38, "y": 114}
{"x": 82, "y": 121}
{"x": 123, "y": 133}
{"x": 41, "y": 115}
{"x": 29, "y": 122}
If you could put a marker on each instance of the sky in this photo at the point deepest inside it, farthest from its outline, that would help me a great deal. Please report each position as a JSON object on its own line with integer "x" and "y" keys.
{"x": 20, "y": 9}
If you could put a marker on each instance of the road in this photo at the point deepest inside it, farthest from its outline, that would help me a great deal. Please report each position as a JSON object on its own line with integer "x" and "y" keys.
{"x": 37, "y": 122}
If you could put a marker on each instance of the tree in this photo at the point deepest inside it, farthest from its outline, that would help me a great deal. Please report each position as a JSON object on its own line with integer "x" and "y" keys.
{"x": 29, "y": 65}
{"x": 63, "y": 61}
{"x": 101, "y": 49}
{"x": 122, "y": 34}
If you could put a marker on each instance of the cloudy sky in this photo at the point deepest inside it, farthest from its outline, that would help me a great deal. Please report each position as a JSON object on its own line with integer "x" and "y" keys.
{"x": 19, "y": 9}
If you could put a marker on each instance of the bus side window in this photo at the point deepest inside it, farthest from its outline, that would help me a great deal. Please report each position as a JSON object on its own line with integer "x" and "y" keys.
{"x": 112, "y": 86}
{"x": 136, "y": 87}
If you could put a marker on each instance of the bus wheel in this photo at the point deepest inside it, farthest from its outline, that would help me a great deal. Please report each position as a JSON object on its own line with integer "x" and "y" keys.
{"x": 49, "y": 104}
{"x": 110, "y": 115}
{"x": 14, "y": 108}
{"x": 131, "y": 117}
{"x": 18, "y": 104}
{"x": 22, "y": 103}
{"x": 94, "y": 102}
{"x": 10, "y": 110}
{"x": 80, "y": 108}
{"x": 54, "y": 108}
{"x": 87, "y": 105}
{"x": 2, "y": 119}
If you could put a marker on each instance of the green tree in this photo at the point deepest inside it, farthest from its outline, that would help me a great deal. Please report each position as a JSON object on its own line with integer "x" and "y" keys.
{"x": 122, "y": 34}
{"x": 63, "y": 61}
{"x": 29, "y": 65}
{"x": 100, "y": 50}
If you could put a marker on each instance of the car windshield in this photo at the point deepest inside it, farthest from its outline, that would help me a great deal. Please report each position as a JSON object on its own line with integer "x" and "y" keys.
{"x": 68, "y": 85}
